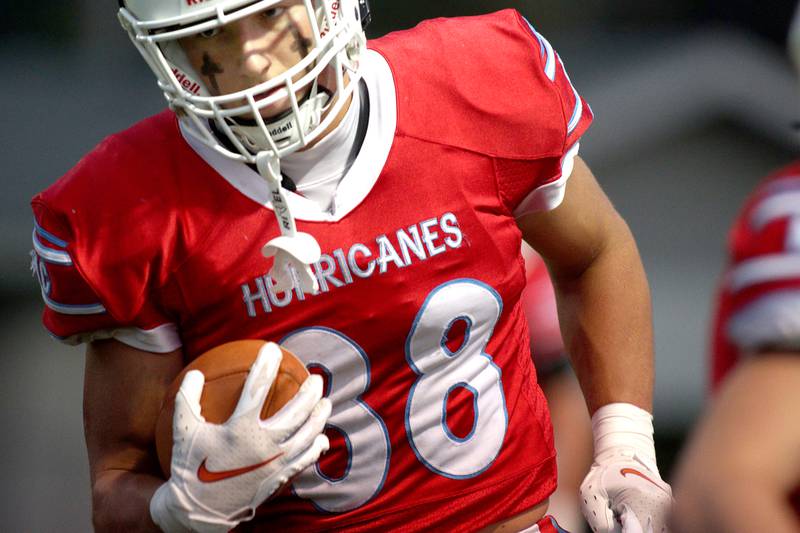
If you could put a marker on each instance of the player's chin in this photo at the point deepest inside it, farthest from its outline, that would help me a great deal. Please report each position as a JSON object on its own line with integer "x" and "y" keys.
{"x": 275, "y": 110}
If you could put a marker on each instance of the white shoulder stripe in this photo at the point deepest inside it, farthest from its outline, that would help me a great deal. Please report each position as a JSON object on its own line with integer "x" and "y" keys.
{"x": 550, "y": 72}
{"x": 547, "y": 50}
{"x": 781, "y": 205}
{"x": 49, "y": 236}
{"x": 577, "y": 112}
{"x": 770, "y": 321}
{"x": 793, "y": 235}
{"x": 68, "y": 309}
{"x": 773, "y": 267}
{"x": 50, "y": 255}
{"x": 782, "y": 184}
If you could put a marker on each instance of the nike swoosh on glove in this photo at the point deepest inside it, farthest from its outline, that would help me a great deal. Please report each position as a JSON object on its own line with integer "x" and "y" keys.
{"x": 220, "y": 473}
{"x": 623, "y": 492}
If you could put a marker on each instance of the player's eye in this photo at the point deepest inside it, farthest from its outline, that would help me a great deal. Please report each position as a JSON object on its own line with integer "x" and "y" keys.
{"x": 274, "y": 12}
{"x": 213, "y": 32}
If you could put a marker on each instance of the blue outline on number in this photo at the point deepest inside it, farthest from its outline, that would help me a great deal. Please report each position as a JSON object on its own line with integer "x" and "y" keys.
{"x": 327, "y": 392}
{"x": 418, "y": 373}
{"x": 467, "y": 332}
{"x": 349, "y": 457}
{"x": 474, "y": 391}
{"x": 357, "y": 399}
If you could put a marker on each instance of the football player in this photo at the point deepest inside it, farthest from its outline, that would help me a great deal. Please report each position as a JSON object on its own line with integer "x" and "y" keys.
{"x": 392, "y": 185}
{"x": 741, "y": 470}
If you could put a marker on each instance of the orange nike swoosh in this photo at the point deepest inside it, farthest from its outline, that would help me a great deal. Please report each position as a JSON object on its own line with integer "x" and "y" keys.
{"x": 635, "y": 472}
{"x": 207, "y": 476}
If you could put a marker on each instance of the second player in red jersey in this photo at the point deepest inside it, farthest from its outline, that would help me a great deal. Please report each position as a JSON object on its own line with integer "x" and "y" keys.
{"x": 741, "y": 471}
{"x": 749, "y": 436}
{"x": 755, "y": 294}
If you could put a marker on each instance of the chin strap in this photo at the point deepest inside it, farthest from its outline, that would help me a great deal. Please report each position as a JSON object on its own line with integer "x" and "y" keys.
{"x": 285, "y": 130}
{"x": 294, "y": 251}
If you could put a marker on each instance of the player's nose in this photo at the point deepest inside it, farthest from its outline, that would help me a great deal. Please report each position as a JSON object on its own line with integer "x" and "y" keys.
{"x": 254, "y": 45}
{"x": 256, "y": 64}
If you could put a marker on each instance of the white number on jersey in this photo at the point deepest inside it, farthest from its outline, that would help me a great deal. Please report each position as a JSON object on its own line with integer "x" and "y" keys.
{"x": 440, "y": 373}
{"x": 347, "y": 368}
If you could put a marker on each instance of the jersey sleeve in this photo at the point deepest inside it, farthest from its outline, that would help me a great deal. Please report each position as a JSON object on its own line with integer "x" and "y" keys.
{"x": 542, "y": 189}
{"x": 94, "y": 286}
{"x": 491, "y": 85}
{"x": 762, "y": 283}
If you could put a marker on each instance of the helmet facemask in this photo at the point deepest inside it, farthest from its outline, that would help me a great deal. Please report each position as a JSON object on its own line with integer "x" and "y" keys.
{"x": 279, "y": 113}
{"x": 313, "y": 90}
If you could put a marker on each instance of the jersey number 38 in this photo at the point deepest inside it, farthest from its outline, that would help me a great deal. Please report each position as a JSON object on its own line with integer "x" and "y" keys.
{"x": 439, "y": 371}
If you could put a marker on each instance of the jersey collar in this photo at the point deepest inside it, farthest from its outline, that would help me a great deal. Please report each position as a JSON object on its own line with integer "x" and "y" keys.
{"x": 359, "y": 179}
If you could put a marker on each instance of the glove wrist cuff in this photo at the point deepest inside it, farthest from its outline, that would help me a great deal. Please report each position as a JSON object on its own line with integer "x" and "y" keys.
{"x": 167, "y": 508}
{"x": 620, "y": 428}
{"x": 161, "y": 513}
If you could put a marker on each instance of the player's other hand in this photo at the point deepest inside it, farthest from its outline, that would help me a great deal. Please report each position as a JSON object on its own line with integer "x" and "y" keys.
{"x": 220, "y": 473}
{"x": 623, "y": 492}
{"x": 624, "y": 496}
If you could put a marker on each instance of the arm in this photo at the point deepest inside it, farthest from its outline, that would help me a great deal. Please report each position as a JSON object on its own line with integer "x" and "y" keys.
{"x": 743, "y": 463}
{"x": 123, "y": 394}
{"x": 123, "y": 391}
{"x": 604, "y": 311}
{"x": 603, "y": 296}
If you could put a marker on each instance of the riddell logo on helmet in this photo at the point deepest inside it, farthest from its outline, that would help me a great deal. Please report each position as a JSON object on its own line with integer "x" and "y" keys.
{"x": 194, "y": 2}
{"x": 282, "y": 129}
{"x": 185, "y": 81}
{"x": 334, "y": 15}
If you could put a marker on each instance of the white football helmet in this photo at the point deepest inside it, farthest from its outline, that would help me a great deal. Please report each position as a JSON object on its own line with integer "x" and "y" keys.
{"x": 231, "y": 123}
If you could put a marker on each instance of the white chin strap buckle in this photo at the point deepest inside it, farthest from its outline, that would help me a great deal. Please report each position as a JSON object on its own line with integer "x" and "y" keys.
{"x": 294, "y": 255}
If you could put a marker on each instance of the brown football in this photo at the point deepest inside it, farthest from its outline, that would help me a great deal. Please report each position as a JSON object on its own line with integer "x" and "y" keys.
{"x": 225, "y": 369}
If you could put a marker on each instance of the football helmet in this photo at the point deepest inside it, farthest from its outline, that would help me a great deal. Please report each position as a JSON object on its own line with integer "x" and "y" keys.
{"x": 232, "y": 123}
{"x": 329, "y": 40}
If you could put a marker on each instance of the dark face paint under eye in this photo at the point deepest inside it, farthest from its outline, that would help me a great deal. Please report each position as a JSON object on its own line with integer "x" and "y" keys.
{"x": 210, "y": 69}
{"x": 301, "y": 44}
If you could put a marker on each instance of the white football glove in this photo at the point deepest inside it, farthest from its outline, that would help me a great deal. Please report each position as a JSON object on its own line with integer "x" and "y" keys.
{"x": 220, "y": 473}
{"x": 623, "y": 492}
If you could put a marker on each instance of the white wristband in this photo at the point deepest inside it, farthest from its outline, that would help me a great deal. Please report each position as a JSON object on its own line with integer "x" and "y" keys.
{"x": 620, "y": 428}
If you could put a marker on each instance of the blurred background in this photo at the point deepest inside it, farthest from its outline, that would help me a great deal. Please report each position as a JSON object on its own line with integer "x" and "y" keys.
{"x": 694, "y": 102}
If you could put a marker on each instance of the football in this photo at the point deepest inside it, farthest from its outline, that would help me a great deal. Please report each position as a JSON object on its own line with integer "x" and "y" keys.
{"x": 225, "y": 369}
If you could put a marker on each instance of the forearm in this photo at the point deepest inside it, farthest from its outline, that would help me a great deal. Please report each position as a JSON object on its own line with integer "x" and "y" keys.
{"x": 121, "y": 501}
{"x": 741, "y": 465}
{"x": 733, "y": 504}
{"x": 606, "y": 322}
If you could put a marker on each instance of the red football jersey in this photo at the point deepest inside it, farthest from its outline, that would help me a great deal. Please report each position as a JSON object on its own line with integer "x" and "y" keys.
{"x": 759, "y": 296}
{"x": 417, "y": 326}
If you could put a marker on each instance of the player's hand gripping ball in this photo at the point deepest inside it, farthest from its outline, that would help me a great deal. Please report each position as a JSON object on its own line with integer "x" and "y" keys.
{"x": 238, "y": 423}
{"x": 225, "y": 369}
